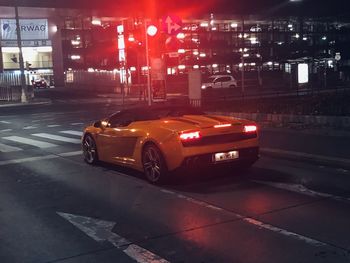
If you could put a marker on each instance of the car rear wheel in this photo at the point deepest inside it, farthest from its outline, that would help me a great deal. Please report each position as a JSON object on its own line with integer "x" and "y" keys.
{"x": 154, "y": 164}
{"x": 90, "y": 150}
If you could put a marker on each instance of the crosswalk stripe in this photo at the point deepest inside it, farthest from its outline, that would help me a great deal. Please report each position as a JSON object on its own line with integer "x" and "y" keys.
{"x": 40, "y": 158}
{"x": 30, "y": 127}
{"x": 77, "y": 123}
{"x": 53, "y": 125}
{"x": 5, "y": 122}
{"x": 71, "y": 132}
{"x": 35, "y": 143}
{"x": 7, "y": 148}
{"x": 57, "y": 137}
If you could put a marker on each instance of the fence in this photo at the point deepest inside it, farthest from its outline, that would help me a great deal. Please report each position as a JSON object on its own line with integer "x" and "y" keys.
{"x": 106, "y": 81}
{"x": 10, "y": 93}
{"x": 10, "y": 86}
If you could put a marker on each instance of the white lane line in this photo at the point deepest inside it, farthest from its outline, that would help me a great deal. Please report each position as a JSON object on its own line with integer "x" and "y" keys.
{"x": 142, "y": 255}
{"x": 102, "y": 231}
{"x": 31, "y": 142}
{"x": 6, "y": 130}
{"x": 39, "y": 158}
{"x": 69, "y": 154}
{"x": 284, "y": 232}
{"x": 71, "y": 132}
{"x": 56, "y": 137}
{"x": 76, "y": 123}
{"x": 30, "y": 127}
{"x": 305, "y": 155}
{"x": 192, "y": 200}
{"x": 53, "y": 125}
{"x": 250, "y": 220}
{"x": 29, "y": 159}
{"x": 5, "y": 122}
{"x": 7, "y": 148}
{"x": 301, "y": 189}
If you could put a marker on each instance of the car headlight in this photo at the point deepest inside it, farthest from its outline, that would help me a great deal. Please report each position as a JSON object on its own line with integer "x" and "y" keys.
{"x": 203, "y": 87}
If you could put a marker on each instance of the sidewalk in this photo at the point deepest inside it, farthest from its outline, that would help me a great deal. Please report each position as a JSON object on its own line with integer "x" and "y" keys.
{"x": 35, "y": 101}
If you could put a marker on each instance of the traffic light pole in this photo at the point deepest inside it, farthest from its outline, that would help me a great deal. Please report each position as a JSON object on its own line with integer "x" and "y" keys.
{"x": 148, "y": 66}
{"x": 21, "y": 64}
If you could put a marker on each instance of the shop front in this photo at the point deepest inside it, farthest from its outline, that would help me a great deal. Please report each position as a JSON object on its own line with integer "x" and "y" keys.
{"x": 36, "y": 49}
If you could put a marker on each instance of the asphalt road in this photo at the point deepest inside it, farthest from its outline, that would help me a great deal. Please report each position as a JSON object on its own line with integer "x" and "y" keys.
{"x": 56, "y": 208}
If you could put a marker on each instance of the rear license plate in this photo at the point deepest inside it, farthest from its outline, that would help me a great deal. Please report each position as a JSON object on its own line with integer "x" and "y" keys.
{"x": 225, "y": 156}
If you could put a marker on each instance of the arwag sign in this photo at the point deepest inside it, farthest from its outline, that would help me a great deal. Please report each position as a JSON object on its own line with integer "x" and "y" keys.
{"x": 31, "y": 29}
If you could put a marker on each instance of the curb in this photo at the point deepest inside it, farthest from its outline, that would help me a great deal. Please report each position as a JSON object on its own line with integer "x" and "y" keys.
{"x": 307, "y": 157}
{"x": 26, "y": 104}
{"x": 291, "y": 119}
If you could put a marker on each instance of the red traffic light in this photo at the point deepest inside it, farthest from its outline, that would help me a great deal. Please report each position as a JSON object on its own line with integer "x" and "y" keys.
{"x": 152, "y": 30}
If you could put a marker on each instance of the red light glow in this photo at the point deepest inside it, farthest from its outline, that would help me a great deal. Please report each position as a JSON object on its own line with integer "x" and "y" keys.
{"x": 250, "y": 128}
{"x": 223, "y": 125}
{"x": 186, "y": 136}
{"x": 152, "y": 30}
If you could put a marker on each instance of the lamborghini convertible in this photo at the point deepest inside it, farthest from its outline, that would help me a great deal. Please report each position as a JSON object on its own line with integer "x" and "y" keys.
{"x": 160, "y": 139}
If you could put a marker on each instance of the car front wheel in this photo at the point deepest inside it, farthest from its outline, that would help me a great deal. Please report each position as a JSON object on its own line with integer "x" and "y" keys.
{"x": 154, "y": 164}
{"x": 90, "y": 150}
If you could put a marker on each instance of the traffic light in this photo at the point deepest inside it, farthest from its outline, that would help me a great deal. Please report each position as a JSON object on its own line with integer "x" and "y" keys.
{"x": 152, "y": 30}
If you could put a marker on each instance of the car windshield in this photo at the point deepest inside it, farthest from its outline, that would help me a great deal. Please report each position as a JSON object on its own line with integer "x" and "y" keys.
{"x": 156, "y": 113}
{"x": 210, "y": 79}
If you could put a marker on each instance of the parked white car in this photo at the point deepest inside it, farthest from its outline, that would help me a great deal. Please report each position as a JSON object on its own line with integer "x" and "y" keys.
{"x": 220, "y": 81}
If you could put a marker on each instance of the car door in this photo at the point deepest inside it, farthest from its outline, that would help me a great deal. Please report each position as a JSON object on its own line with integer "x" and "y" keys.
{"x": 218, "y": 82}
{"x": 226, "y": 82}
{"x": 116, "y": 143}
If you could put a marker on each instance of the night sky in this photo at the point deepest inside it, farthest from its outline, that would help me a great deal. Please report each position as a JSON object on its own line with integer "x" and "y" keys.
{"x": 202, "y": 7}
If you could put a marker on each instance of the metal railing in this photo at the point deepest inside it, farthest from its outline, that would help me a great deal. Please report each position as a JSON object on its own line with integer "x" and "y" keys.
{"x": 10, "y": 93}
{"x": 33, "y": 65}
{"x": 10, "y": 86}
{"x": 93, "y": 81}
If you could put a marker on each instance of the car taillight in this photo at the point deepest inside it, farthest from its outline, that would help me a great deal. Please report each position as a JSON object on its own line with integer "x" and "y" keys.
{"x": 250, "y": 128}
{"x": 188, "y": 136}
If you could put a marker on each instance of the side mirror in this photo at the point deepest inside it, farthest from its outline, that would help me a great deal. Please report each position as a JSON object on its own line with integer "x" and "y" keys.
{"x": 98, "y": 124}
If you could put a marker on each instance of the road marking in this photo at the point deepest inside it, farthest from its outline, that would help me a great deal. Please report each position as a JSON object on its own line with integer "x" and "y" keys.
{"x": 77, "y": 133}
{"x": 284, "y": 232}
{"x": 5, "y": 122}
{"x": 192, "y": 200}
{"x": 53, "y": 125}
{"x": 101, "y": 230}
{"x": 301, "y": 189}
{"x": 304, "y": 155}
{"x": 6, "y": 148}
{"x": 57, "y": 137}
{"x": 76, "y": 123}
{"x": 39, "y": 158}
{"x": 6, "y": 130}
{"x": 69, "y": 154}
{"x": 35, "y": 143}
{"x": 250, "y": 220}
{"x": 30, "y": 127}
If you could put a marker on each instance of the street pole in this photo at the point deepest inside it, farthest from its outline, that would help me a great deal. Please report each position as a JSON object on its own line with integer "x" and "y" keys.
{"x": 21, "y": 64}
{"x": 148, "y": 71}
{"x": 243, "y": 45}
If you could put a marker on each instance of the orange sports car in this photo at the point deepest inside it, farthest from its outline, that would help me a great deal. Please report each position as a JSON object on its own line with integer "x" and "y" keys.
{"x": 160, "y": 139}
